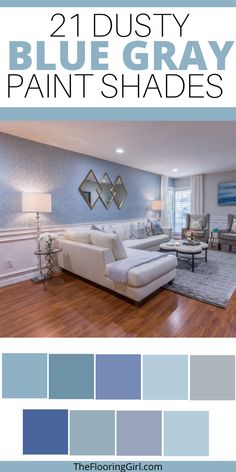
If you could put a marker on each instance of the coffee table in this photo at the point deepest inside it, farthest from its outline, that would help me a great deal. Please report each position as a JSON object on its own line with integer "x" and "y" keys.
{"x": 186, "y": 252}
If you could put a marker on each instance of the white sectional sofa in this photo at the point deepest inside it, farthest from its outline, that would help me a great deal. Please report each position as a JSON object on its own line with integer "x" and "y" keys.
{"x": 85, "y": 254}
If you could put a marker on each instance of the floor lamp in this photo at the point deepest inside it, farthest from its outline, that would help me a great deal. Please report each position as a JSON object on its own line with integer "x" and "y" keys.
{"x": 37, "y": 203}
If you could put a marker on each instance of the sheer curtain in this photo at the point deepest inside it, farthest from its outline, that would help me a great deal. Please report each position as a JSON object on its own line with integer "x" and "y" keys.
{"x": 164, "y": 198}
{"x": 197, "y": 194}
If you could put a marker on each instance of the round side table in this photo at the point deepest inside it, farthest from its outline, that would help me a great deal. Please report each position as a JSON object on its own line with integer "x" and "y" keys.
{"x": 48, "y": 253}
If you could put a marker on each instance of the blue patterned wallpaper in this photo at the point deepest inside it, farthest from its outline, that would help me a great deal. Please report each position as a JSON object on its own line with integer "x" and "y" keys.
{"x": 26, "y": 166}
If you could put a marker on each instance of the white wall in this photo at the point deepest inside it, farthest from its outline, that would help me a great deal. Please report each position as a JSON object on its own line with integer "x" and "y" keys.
{"x": 182, "y": 182}
{"x": 211, "y": 182}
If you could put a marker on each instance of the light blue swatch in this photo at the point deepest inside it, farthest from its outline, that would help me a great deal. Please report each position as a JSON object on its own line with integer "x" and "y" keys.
{"x": 165, "y": 377}
{"x": 24, "y": 375}
{"x": 92, "y": 432}
{"x": 186, "y": 433}
{"x": 119, "y": 114}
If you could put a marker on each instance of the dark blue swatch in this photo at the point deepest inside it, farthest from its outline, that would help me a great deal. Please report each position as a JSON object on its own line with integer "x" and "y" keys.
{"x": 118, "y": 377}
{"x": 45, "y": 432}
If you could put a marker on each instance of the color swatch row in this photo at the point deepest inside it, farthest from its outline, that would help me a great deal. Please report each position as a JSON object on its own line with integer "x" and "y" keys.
{"x": 121, "y": 433}
{"x": 85, "y": 376}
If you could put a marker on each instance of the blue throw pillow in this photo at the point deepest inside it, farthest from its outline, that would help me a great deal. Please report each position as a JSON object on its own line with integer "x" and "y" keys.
{"x": 138, "y": 231}
{"x": 156, "y": 228}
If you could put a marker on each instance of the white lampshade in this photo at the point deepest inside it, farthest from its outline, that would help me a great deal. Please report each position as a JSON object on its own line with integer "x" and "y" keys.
{"x": 37, "y": 202}
{"x": 157, "y": 205}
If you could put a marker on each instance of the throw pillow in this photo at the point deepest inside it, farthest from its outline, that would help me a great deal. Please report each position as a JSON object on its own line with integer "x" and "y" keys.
{"x": 111, "y": 241}
{"x": 138, "y": 231}
{"x": 108, "y": 229}
{"x": 119, "y": 229}
{"x": 196, "y": 224}
{"x": 80, "y": 235}
{"x": 156, "y": 228}
{"x": 233, "y": 227}
{"x": 148, "y": 226}
{"x": 127, "y": 230}
{"x": 95, "y": 228}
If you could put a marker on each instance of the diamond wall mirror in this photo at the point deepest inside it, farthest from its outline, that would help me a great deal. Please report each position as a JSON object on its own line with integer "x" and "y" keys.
{"x": 89, "y": 189}
{"x": 119, "y": 192}
{"x": 105, "y": 190}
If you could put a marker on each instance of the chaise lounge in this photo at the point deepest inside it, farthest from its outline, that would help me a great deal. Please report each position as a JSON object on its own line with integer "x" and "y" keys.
{"x": 93, "y": 254}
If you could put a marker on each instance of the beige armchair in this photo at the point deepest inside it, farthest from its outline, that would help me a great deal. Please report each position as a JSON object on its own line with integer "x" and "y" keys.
{"x": 227, "y": 237}
{"x": 201, "y": 220}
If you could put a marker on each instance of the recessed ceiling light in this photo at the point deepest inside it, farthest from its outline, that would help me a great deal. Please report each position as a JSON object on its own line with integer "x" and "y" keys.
{"x": 175, "y": 170}
{"x": 120, "y": 151}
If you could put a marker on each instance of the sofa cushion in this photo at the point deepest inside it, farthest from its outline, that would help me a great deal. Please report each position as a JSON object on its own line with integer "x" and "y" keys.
{"x": 146, "y": 243}
{"x": 112, "y": 228}
{"x": 230, "y": 236}
{"x": 146, "y": 273}
{"x": 108, "y": 229}
{"x": 156, "y": 228}
{"x": 127, "y": 230}
{"x": 119, "y": 229}
{"x": 132, "y": 252}
{"x": 233, "y": 226}
{"x": 111, "y": 241}
{"x": 138, "y": 230}
{"x": 78, "y": 235}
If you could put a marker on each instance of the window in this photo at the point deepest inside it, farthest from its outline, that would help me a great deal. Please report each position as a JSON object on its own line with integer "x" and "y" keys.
{"x": 182, "y": 205}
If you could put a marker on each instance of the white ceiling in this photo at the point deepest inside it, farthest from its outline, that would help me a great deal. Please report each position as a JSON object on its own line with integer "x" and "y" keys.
{"x": 192, "y": 147}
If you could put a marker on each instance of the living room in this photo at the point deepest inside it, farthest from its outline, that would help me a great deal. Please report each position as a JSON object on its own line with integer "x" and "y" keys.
{"x": 153, "y": 171}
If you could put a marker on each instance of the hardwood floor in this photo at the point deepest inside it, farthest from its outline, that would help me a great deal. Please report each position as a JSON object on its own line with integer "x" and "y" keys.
{"x": 73, "y": 308}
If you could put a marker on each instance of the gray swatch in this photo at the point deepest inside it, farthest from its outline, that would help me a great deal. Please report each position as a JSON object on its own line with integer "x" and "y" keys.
{"x": 212, "y": 377}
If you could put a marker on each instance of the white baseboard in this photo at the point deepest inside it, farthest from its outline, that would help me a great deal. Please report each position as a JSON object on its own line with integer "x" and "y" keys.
{"x": 17, "y": 277}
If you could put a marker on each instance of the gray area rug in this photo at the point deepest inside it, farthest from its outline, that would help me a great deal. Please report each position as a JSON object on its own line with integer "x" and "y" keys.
{"x": 213, "y": 282}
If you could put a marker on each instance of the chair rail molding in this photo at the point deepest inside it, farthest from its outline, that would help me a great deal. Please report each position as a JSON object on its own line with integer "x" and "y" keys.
{"x": 219, "y": 222}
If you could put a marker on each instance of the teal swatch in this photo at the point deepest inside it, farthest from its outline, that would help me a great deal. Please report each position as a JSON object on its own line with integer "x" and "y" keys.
{"x": 24, "y": 375}
{"x": 71, "y": 376}
{"x": 165, "y": 377}
{"x": 186, "y": 433}
{"x": 92, "y": 432}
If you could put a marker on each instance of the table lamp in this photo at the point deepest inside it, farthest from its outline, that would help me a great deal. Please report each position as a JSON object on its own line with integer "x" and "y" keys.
{"x": 35, "y": 202}
{"x": 157, "y": 205}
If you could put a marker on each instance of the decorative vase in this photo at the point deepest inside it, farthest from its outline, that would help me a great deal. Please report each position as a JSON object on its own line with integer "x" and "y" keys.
{"x": 48, "y": 245}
